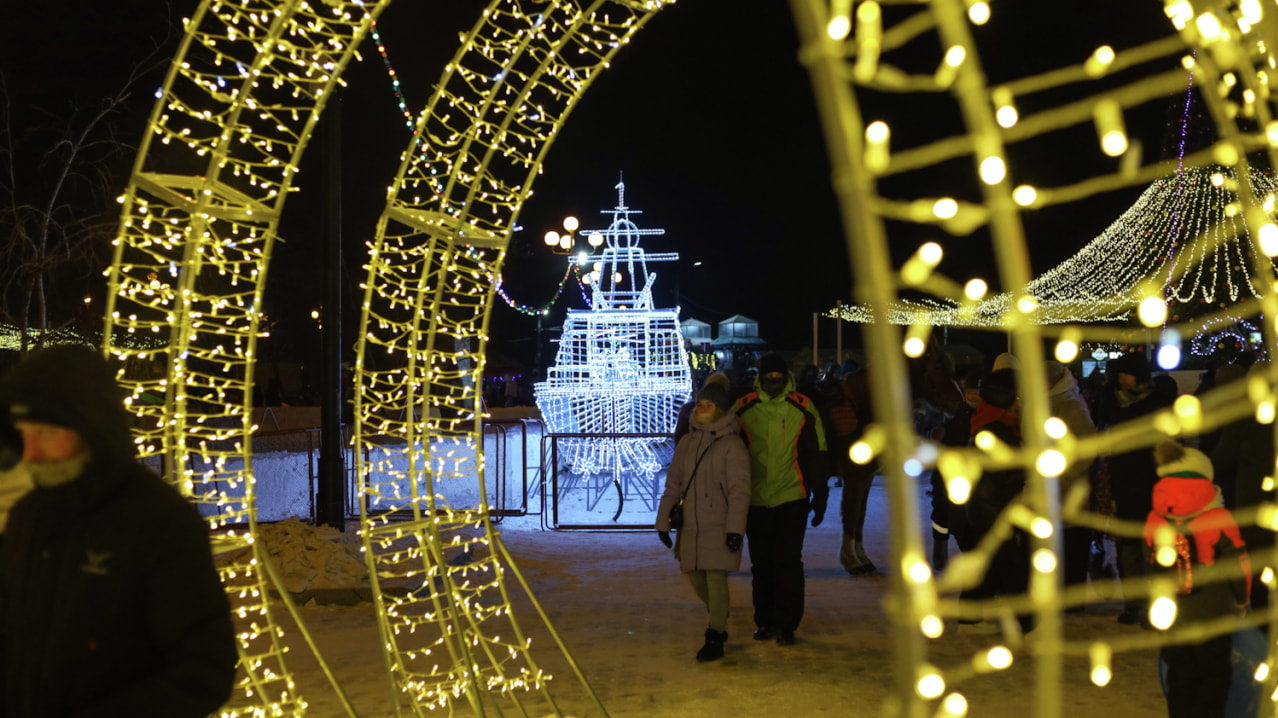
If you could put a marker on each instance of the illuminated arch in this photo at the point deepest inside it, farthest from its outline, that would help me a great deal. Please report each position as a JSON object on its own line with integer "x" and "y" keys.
{"x": 201, "y": 214}
{"x": 199, "y": 220}
{"x": 854, "y": 48}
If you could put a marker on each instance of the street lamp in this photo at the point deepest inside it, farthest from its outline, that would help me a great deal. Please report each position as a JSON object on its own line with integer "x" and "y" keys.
{"x": 563, "y": 243}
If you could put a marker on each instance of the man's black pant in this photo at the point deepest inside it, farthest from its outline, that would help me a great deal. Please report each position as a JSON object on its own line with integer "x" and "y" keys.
{"x": 776, "y": 563}
{"x": 1198, "y": 677}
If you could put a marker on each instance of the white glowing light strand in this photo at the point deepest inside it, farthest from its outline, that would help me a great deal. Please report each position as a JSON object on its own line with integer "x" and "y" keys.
{"x": 1103, "y": 281}
{"x": 621, "y": 367}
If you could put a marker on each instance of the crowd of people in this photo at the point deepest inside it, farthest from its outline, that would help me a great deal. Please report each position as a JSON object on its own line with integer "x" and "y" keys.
{"x": 135, "y": 614}
{"x": 774, "y": 439}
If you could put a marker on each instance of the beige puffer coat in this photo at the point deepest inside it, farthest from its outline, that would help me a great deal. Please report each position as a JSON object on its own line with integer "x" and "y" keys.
{"x": 717, "y": 502}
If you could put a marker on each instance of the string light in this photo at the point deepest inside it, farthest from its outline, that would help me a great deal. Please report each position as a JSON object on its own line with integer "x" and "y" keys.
{"x": 191, "y": 254}
{"x": 1105, "y": 279}
{"x": 1188, "y": 248}
{"x": 390, "y": 70}
{"x": 572, "y": 271}
{"x": 192, "y": 250}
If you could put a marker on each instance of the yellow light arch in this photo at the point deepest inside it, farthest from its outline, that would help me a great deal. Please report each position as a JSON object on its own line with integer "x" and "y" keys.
{"x": 220, "y": 156}
{"x": 199, "y": 219}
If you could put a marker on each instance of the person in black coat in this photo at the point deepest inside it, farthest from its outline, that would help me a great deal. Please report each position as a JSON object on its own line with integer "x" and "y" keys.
{"x": 109, "y": 601}
{"x": 1008, "y": 571}
{"x": 1243, "y": 458}
{"x": 1131, "y": 394}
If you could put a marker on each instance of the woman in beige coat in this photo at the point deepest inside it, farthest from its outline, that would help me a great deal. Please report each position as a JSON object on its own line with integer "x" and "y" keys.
{"x": 710, "y": 474}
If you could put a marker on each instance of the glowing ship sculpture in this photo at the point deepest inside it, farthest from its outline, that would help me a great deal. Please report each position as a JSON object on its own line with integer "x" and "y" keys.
{"x": 621, "y": 368}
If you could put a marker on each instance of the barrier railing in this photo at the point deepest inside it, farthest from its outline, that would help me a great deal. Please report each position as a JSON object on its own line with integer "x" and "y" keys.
{"x": 628, "y": 498}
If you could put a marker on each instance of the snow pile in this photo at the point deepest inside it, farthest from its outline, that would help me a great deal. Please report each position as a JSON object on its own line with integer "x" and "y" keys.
{"x": 310, "y": 557}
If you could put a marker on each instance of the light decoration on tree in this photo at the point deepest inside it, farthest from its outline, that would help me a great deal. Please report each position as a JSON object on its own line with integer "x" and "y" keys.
{"x": 198, "y": 222}
{"x": 1221, "y": 333}
{"x": 1188, "y": 264}
{"x": 621, "y": 367}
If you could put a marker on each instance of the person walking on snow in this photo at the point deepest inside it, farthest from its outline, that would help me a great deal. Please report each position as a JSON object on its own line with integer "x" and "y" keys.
{"x": 1067, "y": 404}
{"x": 710, "y": 474}
{"x": 1132, "y": 473}
{"x": 787, "y": 446}
{"x": 109, "y": 601}
{"x": 1189, "y": 518}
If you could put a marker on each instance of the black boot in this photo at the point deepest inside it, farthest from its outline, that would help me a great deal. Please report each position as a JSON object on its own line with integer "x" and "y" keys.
{"x": 713, "y": 650}
{"x": 940, "y": 551}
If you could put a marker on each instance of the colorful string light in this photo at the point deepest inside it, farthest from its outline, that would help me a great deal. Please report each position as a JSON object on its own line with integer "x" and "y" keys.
{"x": 394, "y": 76}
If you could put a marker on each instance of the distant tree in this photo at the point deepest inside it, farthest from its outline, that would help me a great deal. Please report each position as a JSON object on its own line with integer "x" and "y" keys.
{"x": 61, "y": 170}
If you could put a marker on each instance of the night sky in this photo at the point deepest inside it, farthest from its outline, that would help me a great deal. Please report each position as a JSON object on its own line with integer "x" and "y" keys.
{"x": 708, "y": 115}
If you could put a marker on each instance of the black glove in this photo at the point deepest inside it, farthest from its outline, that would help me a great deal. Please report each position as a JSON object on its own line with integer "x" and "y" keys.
{"x": 734, "y": 542}
{"x": 820, "y": 498}
{"x": 665, "y": 538}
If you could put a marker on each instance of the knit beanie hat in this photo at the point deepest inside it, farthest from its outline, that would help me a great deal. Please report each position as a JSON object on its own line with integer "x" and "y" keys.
{"x": 1176, "y": 460}
{"x": 1006, "y": 361}
{"x": 1132, "y": 364}
{"x": 716, "y": 394}
{"x": 770, "y": 363}
{"x": 719, "y": 378}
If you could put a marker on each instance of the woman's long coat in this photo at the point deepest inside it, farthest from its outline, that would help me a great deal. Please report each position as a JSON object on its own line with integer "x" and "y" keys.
{"x": 717, "y": 502}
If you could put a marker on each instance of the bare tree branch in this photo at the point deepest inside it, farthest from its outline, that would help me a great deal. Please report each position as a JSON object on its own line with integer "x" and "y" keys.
{"x": 57, "y": 202}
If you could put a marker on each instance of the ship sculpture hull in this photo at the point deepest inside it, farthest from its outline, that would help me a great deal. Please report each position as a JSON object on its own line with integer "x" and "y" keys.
{"x": 620, "y": 378}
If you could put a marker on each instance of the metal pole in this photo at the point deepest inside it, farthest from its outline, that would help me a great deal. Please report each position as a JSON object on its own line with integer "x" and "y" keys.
{"x": 815, "y": 360}
{"x": 331, "y": 498}
{"x": 838, "y": 333}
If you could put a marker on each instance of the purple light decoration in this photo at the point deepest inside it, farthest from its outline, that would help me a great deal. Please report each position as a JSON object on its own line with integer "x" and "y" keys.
{"x": 1180, "y": 188}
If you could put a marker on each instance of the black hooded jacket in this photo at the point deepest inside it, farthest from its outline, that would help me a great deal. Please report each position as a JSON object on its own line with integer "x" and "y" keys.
{"x": 109, "y": 601}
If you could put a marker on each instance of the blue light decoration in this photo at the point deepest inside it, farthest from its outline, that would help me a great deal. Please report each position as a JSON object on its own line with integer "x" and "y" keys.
{"x": 621, "y": 367}
{"x": 1169, "y": 350}
{"x": 1226, "y": 333}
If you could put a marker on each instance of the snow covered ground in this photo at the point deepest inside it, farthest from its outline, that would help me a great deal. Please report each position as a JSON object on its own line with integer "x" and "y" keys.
{"x": 633, "y": 624}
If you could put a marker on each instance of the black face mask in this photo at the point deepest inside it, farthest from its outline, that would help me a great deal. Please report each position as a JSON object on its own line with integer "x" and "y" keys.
{"x": 773, "y": 387}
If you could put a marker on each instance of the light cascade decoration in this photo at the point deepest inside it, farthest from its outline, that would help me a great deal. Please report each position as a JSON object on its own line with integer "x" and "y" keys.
{"x": 1201, "y": 236}
{"x": 621, "y": 366}
{"x": 198, "y": 221}
{"x": 1112, "y": 273}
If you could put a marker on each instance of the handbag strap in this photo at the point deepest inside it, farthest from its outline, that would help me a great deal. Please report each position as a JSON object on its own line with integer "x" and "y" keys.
{"x": 697, "y": 466}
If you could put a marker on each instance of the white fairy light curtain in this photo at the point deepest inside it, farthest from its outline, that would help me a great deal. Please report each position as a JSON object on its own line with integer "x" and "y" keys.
{"x": 1152, "y": 242}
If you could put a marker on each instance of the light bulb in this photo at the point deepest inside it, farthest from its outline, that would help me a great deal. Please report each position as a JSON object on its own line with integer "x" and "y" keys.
{"x": 993, "y": 170}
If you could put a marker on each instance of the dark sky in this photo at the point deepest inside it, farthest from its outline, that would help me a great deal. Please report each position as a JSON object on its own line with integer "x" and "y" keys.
{"x": 709, "y": 116}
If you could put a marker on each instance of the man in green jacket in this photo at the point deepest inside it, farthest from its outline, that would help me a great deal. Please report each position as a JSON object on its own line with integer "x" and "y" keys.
{"x": 787, "y": 456}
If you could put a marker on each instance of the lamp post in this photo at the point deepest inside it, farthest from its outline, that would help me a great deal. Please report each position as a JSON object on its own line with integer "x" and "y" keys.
{"x": 566, "y": 242}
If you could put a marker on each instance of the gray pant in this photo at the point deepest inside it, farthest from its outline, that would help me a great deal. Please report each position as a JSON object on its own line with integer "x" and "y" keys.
{"x": 712, "y": 589}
